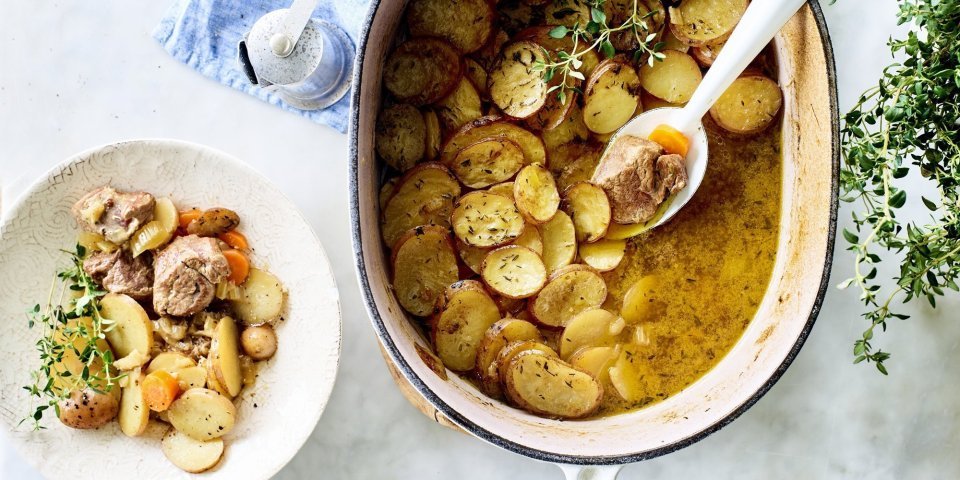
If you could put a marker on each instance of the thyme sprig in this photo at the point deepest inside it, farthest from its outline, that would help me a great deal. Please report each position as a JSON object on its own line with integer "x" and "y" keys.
{"x": 909, "y": 122}
{"x": 73, "y": 296}
{"x": 596, "y": 36}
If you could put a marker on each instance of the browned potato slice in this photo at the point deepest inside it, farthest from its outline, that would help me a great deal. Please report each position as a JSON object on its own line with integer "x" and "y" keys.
{"x": 387, "y": 191}
{"x": 596, "y": 361}
{"x": 504, "y": 189}
{"x": 567, "y": 12}
{"x": 514, "y": 271}
{"x": 483, "y": 219}
{"x": 571, "y": 130}
{"x": 611, "y": 96}
{"x": 640, "y": 303}
{"x": 472, "y": 256}
{"x": 488, "y": 162}
{"x": 424, "y": 265}
{"x": 202, "y": 414}
{"x": 466, "y": 311}
{"x": 581, "y": 170}
{"x": 478, "y": 76}
{"x": 424, "y": 196}
{"x": 589, "y": 208}
{"x": 401, "y": 136}
{"x": 511, "y": 307}
{"x": 590, "y": 328}
{"x": 697, "y": 22}
{"x": 460, "y": 107}
{"x": 549, "y": 386}
{"x": 531, "y": 239}
{"x": 467, "y": 24}
{"x": 514, "y": 348}
{"x": 515, "y": 85}
{"x": 494, "y": 339}
{"x": 495, "y": 127}
{"x": 633, "y": 378}
{"x": 570, "y": 290}
{"x": 536, "y": 194}
{"x": 564, "y": 156}
{"x": 191, "y": 455}
{"x": 673, "y": 79}
{"x": 603, "y": 255}
{"x": 559, "y": 242}
{"x": 706, "y": 54}
{"x": 134, "y": 411}
{"x": 488, "y": 53}
{"x": 422, "y": 70}
{"x": 434, "y": 138}
{"x": 225, "y": 355}
{"x": 749, "y": 106}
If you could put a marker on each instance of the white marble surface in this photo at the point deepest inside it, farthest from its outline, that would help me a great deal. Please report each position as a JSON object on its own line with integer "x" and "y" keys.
{"x": 75, "y": 74}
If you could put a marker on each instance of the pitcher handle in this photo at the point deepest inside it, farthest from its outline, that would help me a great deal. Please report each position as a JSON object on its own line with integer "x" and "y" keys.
{"x": 590, "y": 472}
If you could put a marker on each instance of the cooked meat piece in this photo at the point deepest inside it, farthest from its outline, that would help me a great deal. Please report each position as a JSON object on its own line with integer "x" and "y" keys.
{"x": 119, "y": 272}
{"x": 637, "y": 178}
{"x": 186, "y": 273}
{"x": 113, "y": 214}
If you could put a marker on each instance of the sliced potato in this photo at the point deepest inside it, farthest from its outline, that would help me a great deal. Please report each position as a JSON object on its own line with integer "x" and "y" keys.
{"x": 749, "y": 106}
{"x": 536, "y": 195}
{"x": 596, "y": 361}
{"x": 460, "y": 107}
{"x": 467, "y": 24}
{"x": 504, "y": 189}
{"x": 494, "y": 339}
{"x": 633, "y": 378}
{"x": 422, "y": 70}
{"x": 640, "y": 303}
{"x": 202, "y": 414}
{"x": 212, "y": 379}
{"x": 567, "y": 12}
{"x": 425, "y": 196}
{"x": 571, "y": 130}
{"x": 191, "y": 455}
{"x": 483, "y": 219}
{"x": 673, "y": 79}
{"x": 131, "y": 328}
{"x": 514, "y": 348}
{"x": 134, "y": 411}
{"x": 617, "y": 12}
{"x": 611, "y": 96}
{"x": 706, "y": 54}
{"x": 549, "y": 386}
{"x": 225, "y": 355}
{"x": 191, "y": 377}
{"x": 651, "y": 103}
{"x": 697, "y": 22}
{"x": 495, "y": 127}
{"x": 424, "y": 265}
{"x": 514, "y": 271}
{"x": 624, "y": 231}
{"x": 478, "y": 76}
{"x": 590, "y": 328}
{"x": 472, "y": 256}
{"x": 531, "y": 239}
{"x": 387, "y": 191}
{"x": 171, "y": 362}
{"x": 603, "y": 255}
{"x": 488, "y": 162}
{"x": 559, "y": 242}
{"x": 511, "y": 307}
{"x": 488, "y": 53}
{"x": 401, "y": 136}
{"x": 569, "y": 291}
{"x": 262, "y": 299}
{"x": 589, "y": 207}
{"x": 434, "y": 137}
{"x": 515, "y": 84}
{"x": 466, "y": 311}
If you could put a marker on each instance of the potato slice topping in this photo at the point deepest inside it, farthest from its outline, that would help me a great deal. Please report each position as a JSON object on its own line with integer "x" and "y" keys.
{"x": 749, "y": 106}
{"x": 603, "y": 255}
{"x": 401, "y": 136}
{"x": 424, "y": 196}
{"x": 422, "y": 70}
{"x": 536, "y": 194}
{"x": 516, "y": 86}
{"x": 559, "y": 242}
{"x": 494, "y": 339}
{"x": 460, "y": 107}
{"x": 482, "y": 219}
{"x": 674, "y": 79}
{"x": 569, "y": 291}
{"x": 488, "y": 162}
{"x": 589, "y": 208}
{"x": 697, "y": 22}
{"x": 424, "y": 265}
{"x": 590, "y": 328}
{"x": 467, "y": 24}
{"x": 514, "y": 271}
{"x": 549, "y": 386}
{"x": 611, "y": 97}
{"x": 494, "y": 127}
{"x": 466, "y": 312}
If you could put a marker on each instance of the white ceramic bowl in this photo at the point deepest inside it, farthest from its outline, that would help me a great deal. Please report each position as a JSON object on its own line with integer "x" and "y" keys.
{"x": 276, "y": 416}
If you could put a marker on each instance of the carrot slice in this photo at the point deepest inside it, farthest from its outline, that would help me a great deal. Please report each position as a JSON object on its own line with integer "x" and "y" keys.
{"x": 188, "y": 216}
{"x": 239, "y": 265}
{"x": 160, "y": 389}
{"x": 235, "y": 239}
{"x": 671, "y": 139}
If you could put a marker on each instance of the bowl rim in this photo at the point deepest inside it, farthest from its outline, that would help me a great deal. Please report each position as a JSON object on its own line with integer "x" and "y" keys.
{"x": 459, "y": 419}
{"x": 39, "y": 182}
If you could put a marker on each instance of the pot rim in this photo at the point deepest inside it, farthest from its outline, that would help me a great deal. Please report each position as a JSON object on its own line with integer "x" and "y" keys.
{"x": 537, "y": 454}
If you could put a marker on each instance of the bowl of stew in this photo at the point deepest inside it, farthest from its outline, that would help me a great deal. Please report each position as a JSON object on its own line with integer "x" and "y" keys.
{"x": 516, "y": 289}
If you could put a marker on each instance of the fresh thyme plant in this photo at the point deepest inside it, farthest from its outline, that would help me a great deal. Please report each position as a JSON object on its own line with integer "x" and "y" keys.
{"x": 908, "y": 122}
{"x": 62, "y": 333}
{"x": 596, "y": 36}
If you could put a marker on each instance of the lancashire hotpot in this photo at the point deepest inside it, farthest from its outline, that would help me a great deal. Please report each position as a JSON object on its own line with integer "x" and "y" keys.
{"x": 770, "y": 343}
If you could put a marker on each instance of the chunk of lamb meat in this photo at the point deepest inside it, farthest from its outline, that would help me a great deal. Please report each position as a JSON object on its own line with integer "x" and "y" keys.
{"x": 186, "y": 274}
{"x": 637, "y": 178}
{"x": 113, "y": 214}
{"x": 119, "y": 272}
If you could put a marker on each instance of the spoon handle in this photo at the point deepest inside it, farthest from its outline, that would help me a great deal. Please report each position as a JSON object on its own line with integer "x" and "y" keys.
{"x": 761, "y": 21}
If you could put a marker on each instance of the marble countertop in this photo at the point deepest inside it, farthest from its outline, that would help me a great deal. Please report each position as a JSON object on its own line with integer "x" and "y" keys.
{"x": 76, "y": 74}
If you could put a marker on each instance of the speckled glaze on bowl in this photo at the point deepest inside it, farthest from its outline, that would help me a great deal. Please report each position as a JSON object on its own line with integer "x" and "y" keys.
{"x": 275, "y": 416}
{"x": 769, "y": 345}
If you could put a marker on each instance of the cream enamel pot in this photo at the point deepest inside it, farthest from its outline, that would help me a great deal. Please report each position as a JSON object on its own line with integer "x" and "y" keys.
{"x": 768, "y": 346}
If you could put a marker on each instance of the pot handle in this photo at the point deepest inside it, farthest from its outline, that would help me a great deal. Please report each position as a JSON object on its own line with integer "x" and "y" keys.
{"x": 590, "y": 472}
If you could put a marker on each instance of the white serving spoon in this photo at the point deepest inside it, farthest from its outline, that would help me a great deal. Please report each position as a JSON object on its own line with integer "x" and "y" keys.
{"x": 761, "y": 21}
